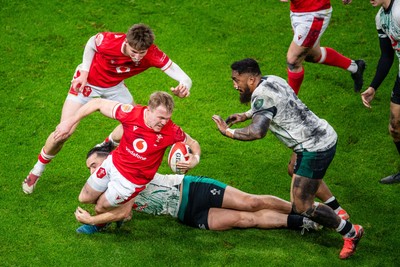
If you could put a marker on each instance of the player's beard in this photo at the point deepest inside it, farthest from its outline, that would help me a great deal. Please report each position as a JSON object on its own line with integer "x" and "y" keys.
{"x": 245, "y": 96}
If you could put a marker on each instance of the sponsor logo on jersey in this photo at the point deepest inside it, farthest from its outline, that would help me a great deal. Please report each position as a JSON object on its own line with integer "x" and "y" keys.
{"x": 123, "y": 69}
{"x": 215, "y": 191}
{"x": 135, "y": 128}
{"x": 126, "y": 108}
{"x": 159, "y": 137}
{"x": 136, "y": 155}
{"x": 116, "y": 36}
{"x": 139, "y": 145}
{"x": 101, "y": 172}
{"x": 72, "y": 91}
{"x": 87, "y": 90}
{"x": 258, "y": 103}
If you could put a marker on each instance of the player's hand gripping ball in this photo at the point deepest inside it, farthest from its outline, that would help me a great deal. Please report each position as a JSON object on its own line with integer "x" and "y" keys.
{"x": 176, "y": 154}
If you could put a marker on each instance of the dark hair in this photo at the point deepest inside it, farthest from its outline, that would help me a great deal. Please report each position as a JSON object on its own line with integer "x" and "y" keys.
{"x": 101, "y": 150}
{"x": 140, "y": 36}
{"x": 247, "y": 65}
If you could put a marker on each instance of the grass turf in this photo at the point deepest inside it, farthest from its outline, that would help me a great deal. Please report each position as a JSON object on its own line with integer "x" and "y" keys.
{"x": 42, "y": 43}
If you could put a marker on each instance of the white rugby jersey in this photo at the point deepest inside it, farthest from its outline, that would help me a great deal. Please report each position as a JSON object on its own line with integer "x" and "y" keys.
{"x": 161, "y": 196}
{"x": 389, "y": 22}
{"x": 291, "y": 121}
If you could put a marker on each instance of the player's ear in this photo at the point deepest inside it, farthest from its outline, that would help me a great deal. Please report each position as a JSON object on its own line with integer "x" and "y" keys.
{"x": 251, "y": 79}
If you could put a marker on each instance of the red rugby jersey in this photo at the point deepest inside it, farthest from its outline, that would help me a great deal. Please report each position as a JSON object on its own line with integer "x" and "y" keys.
{"x": 309, "y": 5}
{"x": 141, "y": 149}
{"x": 110, "y": 66}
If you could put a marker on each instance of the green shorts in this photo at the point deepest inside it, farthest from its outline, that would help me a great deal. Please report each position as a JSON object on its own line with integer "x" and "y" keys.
{"x": 314, "y": 165}
{"x": 199, "y": 194}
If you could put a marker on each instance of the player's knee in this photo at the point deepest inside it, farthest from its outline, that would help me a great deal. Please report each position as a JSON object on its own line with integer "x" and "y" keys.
{"x": 296, "y": 209}
{"x": 100, "y": 208}
{"x": 294, "y": 62}
{"x": 85, "y": 199}
{"x": 254, "y": 203}
{"x": 291, "y": 64}
{"x": 312, "y": 59}
{"x": 306, "y": 211}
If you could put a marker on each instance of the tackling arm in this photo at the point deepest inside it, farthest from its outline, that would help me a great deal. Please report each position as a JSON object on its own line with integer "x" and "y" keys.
{"x": 106, "y": 107}
{"x": 120, "y": 213}
{"x": 176, "y": 73}
{"x": 185, "y": 83}
{"x": 238, "y": 117}
{"x": 256, "y": 130}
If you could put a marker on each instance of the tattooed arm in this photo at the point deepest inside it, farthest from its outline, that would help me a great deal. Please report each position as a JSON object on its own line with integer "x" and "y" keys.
{"x": 256, "y": 130}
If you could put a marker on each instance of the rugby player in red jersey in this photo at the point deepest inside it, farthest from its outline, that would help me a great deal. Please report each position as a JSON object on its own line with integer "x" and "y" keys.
{"x": 108, "y": 59}
{"x": 310, "y": 19}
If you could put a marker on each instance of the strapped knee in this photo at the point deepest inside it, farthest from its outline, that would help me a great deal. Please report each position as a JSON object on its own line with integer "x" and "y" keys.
{"x": 310, "y": 212}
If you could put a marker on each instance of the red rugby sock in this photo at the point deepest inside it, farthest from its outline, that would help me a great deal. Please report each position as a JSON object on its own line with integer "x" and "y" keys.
{"x": 295, "y": 79}
{"x": 334, "y": 58}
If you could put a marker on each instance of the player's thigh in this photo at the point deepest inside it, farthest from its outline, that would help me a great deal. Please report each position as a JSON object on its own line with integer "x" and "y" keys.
{"x": 223, "y": 219}
{"x": 89, "y": 194}
{"x": 120, "y": 190}
{"x": 314, "y": 165}
{"x": 236, "y": 199}
{"x": 97, "y": 183}
{"x": 69, "y": 109}
{"x": 296, "y": 55}
{"x": 103, "y": 205}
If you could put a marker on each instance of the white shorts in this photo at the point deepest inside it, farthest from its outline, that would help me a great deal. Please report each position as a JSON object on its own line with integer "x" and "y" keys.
{"x": 118, "y": 92}
{"x": 308, "y": 27}
{"x": 117, "y": 189}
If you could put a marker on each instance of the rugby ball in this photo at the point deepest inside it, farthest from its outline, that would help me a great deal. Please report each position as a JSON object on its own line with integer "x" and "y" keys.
{"x": 177, "y": 153}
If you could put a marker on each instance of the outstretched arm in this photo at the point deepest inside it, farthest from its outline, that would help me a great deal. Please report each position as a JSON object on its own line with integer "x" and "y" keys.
{"x": 106, "y": 107}
{"x": 238, "y": 117}
{"x": 384, "y": 64}
{"x": 122, "y": 212}
{"x": 185, "y": 83}
{"x": 256, "y": 130}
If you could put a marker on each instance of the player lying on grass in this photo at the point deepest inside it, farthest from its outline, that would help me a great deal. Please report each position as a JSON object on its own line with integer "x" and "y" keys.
{"x": 196, "y": 201}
